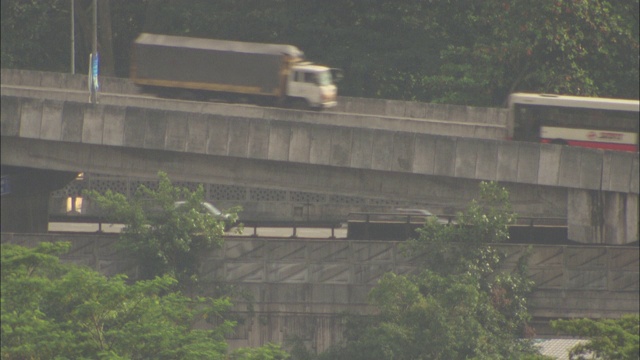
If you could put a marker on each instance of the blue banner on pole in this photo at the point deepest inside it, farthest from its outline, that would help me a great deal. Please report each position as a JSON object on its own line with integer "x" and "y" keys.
{"x": 94, "y": 72}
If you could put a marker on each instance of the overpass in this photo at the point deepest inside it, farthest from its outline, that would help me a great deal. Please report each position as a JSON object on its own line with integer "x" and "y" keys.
{"x": 47, "y": 124}
{"x": 302, "y": 288}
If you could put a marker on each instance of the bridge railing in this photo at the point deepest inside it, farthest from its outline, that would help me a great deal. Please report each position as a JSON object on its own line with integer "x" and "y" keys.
{"x": 399, "y": 226}
{"x": 295, "y": 225}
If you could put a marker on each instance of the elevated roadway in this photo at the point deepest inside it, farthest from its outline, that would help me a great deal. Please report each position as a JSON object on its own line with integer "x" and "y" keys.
{"x": 352, "y": 154}
{"x": 437, "y": 119}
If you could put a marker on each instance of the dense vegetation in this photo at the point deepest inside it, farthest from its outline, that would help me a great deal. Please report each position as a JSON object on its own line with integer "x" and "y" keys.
{"x": 464, "y": 52}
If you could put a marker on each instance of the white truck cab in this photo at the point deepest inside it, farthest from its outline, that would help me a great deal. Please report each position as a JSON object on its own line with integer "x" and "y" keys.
{"x": 314, "y": 84}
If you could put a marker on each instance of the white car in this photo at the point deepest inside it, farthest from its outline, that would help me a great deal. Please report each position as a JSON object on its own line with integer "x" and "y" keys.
{"x": 422, "y": 213}
{"x": 209, "y": 208}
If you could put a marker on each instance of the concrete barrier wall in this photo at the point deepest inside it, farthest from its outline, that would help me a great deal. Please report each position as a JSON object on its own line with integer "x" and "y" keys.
{"x": 421, "y": 110}
{"x": 362, "y": 262}
{"x": 43, "y": 79}
{"x": 378, "y": 107}
{"x": 265, "y": 135}
{"x": 120, "y": 97}
{"x": 77, "y": 82}
{"x": 301, "y": 287}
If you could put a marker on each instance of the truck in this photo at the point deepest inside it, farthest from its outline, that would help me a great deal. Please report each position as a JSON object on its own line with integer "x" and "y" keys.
{"x": 264, "y": 73}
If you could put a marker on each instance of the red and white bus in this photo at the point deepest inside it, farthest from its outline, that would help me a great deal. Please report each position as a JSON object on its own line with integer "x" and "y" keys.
{"x": 574, "y": 120}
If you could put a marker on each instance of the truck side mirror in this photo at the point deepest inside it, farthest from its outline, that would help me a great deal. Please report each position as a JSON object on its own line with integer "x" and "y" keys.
{"x": 337, "y": 75}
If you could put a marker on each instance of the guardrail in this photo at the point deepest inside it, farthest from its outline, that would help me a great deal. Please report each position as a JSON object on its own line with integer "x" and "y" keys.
{"x": 79, "y": 219}
{"x": 376, "y": 226}
{"x": 399, "y": 225}
{"x": 395, "y": 217}
{"x": 410, "y": 218}
{"x": 254, "y": 224}
{"x": 294, "y": 225}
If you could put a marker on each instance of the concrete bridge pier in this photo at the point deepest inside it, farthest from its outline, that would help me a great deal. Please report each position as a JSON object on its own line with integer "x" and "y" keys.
{"x": 25, "y": 197}
{"x": 602, "y": 217}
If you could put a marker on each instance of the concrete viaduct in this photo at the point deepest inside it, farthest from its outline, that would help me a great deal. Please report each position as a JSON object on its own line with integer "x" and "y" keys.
{"x": 48, "y": 124}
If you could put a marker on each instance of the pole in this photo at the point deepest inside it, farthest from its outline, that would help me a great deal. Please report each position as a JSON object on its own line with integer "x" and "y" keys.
{"x": 94, "y": 48}
{"x": 94, "y": 53}
{"x": 73, "y": 38}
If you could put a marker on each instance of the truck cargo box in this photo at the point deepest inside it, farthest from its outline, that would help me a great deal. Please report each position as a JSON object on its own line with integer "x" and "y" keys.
{"x": 206, "y": 64}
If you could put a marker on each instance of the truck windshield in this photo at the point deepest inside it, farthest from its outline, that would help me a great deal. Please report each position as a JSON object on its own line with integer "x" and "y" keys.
{"x": 324, "y": 78}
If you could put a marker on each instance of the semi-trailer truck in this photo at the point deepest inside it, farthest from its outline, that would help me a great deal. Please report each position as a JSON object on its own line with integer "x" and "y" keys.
{"x": 273, "y": 72}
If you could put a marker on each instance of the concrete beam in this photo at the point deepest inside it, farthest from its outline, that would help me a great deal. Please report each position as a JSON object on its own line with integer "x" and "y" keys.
{"x": 440, "y": 192}
{"x": 601, "y": 217}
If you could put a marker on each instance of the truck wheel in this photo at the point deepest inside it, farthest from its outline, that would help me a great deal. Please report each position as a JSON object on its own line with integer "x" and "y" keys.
{"x": 299, "y": 104}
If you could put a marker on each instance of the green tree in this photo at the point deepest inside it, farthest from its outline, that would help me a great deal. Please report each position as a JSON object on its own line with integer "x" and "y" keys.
{"x": 460, "y": 305}
{"x": 165, "y": 238}
{"x": 56, "y": 311}
{"x": 267, "y": 352}
{"x": 582, "y": 47}
{"x": 35, "y": 35}
{"x": 610, "y": 339}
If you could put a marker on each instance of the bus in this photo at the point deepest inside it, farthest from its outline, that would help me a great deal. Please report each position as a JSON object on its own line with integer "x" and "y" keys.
{"x": 600, "y": 123}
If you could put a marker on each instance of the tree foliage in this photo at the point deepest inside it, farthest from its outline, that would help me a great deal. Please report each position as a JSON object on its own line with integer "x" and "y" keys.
{"x": 35, "y": 35}
{"x": 165, "y": 238}
{"x": 460, "y": 305}
{"x": 612, "y": 339}
{"x": 56, "y": 311}
{"x": 581, "y": 47}
{"x": 269, "y": 351}
{"x": 60, "y": 311}
{"x": 462, "y": 52}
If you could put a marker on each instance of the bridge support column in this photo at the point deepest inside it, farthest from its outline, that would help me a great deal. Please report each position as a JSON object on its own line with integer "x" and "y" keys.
{"x": 600, "y": 217}
{"x": 621, "y": 218}
{"x": 25, "y": 203}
